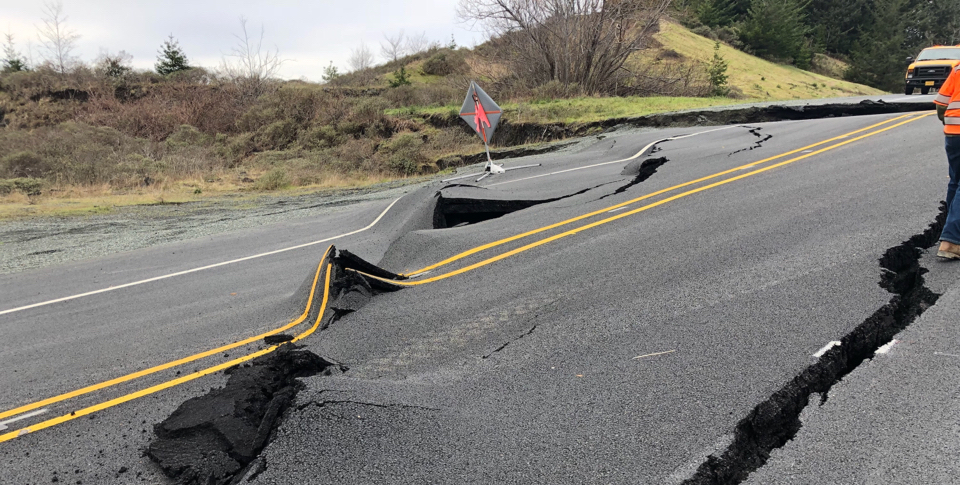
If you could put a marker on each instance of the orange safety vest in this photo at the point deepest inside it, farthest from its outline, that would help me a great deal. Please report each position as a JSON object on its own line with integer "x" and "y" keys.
{"x": 949, "y": 96}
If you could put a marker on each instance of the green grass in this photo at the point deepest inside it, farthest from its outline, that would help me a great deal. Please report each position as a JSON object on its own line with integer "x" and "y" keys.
{"x": 758, "y": 79}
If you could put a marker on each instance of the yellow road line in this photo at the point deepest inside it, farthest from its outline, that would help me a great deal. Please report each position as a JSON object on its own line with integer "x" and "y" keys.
{"x": 629, "y": 202}
{"x": 175, "y": 363}
{"x": 629, "y": 213}
{"x": 168, "y": 384}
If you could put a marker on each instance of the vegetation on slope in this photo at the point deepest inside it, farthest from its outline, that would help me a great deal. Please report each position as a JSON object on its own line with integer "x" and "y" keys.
{"x": 105, "y": 130}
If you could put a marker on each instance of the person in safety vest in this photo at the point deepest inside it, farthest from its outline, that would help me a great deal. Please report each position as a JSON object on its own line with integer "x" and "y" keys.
{"x": 948, "y": 109}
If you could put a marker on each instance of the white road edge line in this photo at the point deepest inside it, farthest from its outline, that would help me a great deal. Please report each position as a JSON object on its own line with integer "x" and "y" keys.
{"x": 886, "y": 347}
{"x": 638, "y": 154}
{"x": 826, "y": 348}
{"x": 3, "y": 424}
{"x": 194, "y": 270}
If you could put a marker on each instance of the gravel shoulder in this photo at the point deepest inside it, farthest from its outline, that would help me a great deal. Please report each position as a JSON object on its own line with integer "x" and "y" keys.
{"x": 29, "y": 244}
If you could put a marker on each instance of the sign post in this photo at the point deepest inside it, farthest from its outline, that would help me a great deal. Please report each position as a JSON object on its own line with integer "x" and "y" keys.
{"x": 483, "y": 115}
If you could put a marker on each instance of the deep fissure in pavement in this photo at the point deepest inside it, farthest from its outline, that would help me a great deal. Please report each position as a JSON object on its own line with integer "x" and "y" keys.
{"x": 759, "y": 143}
{"x": 461, "y": 211}
{"x": 775, "y": 421}
{"x": 216, "y": 438}
{"x": 641, "y": 170}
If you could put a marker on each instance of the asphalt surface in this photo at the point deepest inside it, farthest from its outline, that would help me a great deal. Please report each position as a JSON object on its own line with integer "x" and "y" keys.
{"x": 623, "y": 353}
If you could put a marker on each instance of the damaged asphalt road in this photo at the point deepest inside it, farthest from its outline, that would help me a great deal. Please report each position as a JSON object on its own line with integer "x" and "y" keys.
{"x": 628, "y": 352}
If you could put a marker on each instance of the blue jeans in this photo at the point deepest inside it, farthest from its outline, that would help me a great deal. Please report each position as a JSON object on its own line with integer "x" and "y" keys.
{"x": 951, "y": 230}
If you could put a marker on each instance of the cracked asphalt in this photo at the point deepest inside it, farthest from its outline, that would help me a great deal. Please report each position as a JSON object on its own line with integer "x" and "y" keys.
{"x": 626, "y": 352}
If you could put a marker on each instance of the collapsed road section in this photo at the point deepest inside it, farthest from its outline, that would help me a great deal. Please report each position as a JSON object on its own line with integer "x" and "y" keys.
{"x": 213, "y": 438}
{"x": 775, "y": 421}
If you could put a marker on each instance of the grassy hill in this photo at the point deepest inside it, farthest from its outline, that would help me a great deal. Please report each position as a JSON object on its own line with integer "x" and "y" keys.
{"x": 84, "y": 142}
{"x": 755, "y": 78}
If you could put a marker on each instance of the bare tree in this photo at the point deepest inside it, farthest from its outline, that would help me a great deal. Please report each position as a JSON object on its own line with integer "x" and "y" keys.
{"x": 249, "y": 64}
{"x": 394, "y": 47}
{"x": 585, "y": 42}
{"x": 418, "y": 43}
{"x": 361, "y": 58}
{"x": 56, "y": 39}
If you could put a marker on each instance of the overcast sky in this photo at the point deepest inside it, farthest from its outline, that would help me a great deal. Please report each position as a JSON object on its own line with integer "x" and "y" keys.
{"x": 309, "y": 34}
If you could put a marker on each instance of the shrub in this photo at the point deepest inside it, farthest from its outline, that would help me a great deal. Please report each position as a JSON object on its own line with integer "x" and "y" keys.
{"x": 25, "y": 185}
{"x": 444, "y": 63}
{"x": 404, "y": 153}
{"x": 186, "y": 135}
{"x": 277, "y": 135}
{"x": 320, "y": 137}
{"x": 273, "y": 180}
{"x": 705, "y": 31}
{"x": 23, "y": 164}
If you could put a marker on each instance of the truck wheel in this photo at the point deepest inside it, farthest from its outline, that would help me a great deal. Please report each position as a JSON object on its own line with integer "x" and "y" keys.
{"x": 924, "y": 90}
{"x": 908, "y": 91}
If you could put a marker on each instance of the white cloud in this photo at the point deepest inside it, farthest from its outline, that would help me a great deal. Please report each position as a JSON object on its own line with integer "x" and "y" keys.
{"x": 311, "y": 34}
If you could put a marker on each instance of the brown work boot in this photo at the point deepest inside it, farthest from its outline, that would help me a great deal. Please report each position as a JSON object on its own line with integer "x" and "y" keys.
{"x": 949, "y": 250}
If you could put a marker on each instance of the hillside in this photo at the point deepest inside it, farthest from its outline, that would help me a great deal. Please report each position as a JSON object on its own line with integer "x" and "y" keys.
{"x": 84, "y": 142}
{"x": 756, "y": 78}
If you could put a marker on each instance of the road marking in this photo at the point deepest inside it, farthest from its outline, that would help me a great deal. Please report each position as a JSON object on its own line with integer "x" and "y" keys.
{"x": 202, "y": 268}
{"x": 825, "y": 348}
{"x": 174, "y": 382}
{"x": 3, "y": 424}
{"x": 500, "y": 242}
{"x": 653, "y": 355}
{"x": 175, "y": 363}
{"x": 611, "y": 218}
{"x": 946, "y": 354}
{"x": 637, "y": 155}
{"x": 618, "y": 209}
{"x": 886, "y": 347}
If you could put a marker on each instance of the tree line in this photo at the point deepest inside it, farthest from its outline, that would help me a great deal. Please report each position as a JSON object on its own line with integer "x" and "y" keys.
{"x": 873, "y": 36}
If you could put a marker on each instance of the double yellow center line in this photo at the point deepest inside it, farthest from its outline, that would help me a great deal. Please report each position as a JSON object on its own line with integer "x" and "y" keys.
{"x": 180, "y": 380}
{"x": 847, "y": 139}
{"x": 324, "y": 264}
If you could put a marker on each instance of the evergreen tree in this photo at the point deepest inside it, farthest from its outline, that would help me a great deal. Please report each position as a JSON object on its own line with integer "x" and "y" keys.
{"x": 718, "y": 72}
{"x": 932, "y": 23}
{"x": 13, "y": 61}
{"x": 401, "y": 78}
{"x": 877, "y": 56}
{"x": 330, "y": 73}
{"x": 775, "y": 29}
{"x": 171, "y": 58}
{"x": 835, "y": 26}
{"x": 716, "y": 13}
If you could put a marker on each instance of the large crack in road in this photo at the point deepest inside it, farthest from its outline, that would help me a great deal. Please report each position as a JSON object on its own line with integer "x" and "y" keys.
{"x": 776, "y": 420}
{"x": 214, "y": 438}
{"x": 217, "y": 437}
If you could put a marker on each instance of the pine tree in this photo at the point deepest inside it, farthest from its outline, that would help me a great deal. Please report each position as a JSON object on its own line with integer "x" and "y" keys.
{"x": 835, "y": 26}
{"x": 876, "y": 58}
{"x": 171, "y": 58}
{"x": 330, "y": 73}
{"x": 13, "y": 61}
{"x": 775, "y": 29}
{"x": 716, "y": 13}
{"x": 718, "y": 72}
